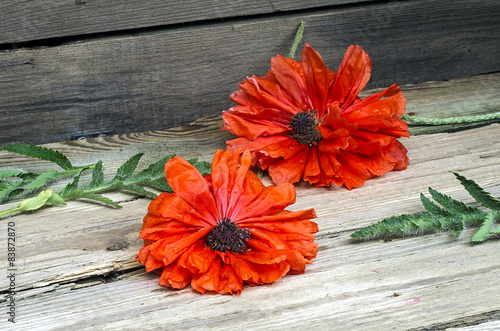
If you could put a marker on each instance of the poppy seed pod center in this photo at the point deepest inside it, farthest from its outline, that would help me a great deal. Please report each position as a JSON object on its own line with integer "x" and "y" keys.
{"x": 226, "y": 235}
{"x": 304, "y": 128}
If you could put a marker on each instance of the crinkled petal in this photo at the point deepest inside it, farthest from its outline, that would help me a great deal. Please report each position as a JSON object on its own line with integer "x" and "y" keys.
{"x": 289, "y": 74}
{"x": 229, "y": 281}
{"x": 148, "y": 260}
{"x": 175, "y": 249}
{"x": 353, "y": 75}
{"x": 188, "y": 183}
{"x": 281, "y": 216}
{"x": 271, "y": 200}
{"x": 175, "y": 277}
{"x": 250, "y": 127}
{"x": 289, "y": 170}
{"x": 208, "y": 280}
{"x": 317, "y": 79}
{"x": 168, "y": 206}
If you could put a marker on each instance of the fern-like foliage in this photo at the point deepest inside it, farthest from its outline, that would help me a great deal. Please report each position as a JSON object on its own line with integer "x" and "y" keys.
{"x": 442, "y": 214}
{"x": 14, "y": 182}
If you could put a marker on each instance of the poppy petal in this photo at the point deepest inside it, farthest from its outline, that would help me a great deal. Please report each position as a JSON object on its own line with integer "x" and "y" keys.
{"x": 353, "y": 75}
{"x": 289, "y": 170}
{"x": 175, "y": 277}
{"x": 190, "y": 186}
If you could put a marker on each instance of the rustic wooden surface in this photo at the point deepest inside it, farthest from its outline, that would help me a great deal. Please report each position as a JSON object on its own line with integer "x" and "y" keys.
{"x": 24, "y": 20}
{"x": 152, "y": 79}
{"x": 76, "y": 266}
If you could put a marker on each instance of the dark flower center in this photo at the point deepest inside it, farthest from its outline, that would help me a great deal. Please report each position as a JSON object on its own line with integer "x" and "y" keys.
{"x": 226, "y": 235}
{"x": 304, "y": 128}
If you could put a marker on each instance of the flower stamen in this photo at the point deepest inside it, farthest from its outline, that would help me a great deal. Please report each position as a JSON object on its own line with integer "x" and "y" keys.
{"x": 226, "y": 235}
{"x": 304, "y": 128}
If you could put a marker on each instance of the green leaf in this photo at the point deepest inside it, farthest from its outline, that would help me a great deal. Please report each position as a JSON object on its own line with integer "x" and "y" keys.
{"x": 28, "y": 205}
{"x": 7, "y": 190}
{"x": 35, "y": 202}
{"x": 97, "y": 176}
{"x": 484, "y": 230}
{"x": 154, "y": 171}
{"x": 42, "y": 153}
{"x": 478, "y": 193}
{"x": 455, "y": 206}
{"x": 454, "y": 216}
{"x": 399, "y": 226}
{"x": 140, "y": 191}
{"x": 9, "y": 173}
{"x": 73, "y": 185}
{"x": 42, "y": 180}
{"x": 432, "y": 208}
{"x": 160, "y": 184}
{"x": 55, "y": 199}
{"x": 126, "y": 170}
{"x": 79, "y": 194}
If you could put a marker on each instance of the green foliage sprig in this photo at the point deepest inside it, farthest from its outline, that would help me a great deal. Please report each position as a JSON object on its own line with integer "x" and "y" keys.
{"x": 14, "y": 182}
{"x": 444, "y": 214}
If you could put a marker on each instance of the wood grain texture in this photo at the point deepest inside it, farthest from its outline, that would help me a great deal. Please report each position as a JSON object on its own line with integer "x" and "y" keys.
{"x": 77, "y": 267}
{"x": 24, "y": 20}
{"x": 165, "y": 78}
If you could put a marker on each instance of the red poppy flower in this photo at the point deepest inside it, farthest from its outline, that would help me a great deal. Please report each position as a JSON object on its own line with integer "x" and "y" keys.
{"x": 303, "y": 121}
{"x": 219, "y": 231}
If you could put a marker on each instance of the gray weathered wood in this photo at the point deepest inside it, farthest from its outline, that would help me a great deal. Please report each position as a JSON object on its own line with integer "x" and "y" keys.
{"x": 156, "y": 80}
{"x": 25, "y": 20}
{"x": 76, "y": 267}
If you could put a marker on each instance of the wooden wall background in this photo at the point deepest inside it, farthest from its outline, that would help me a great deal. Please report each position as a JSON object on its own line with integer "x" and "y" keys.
{"x": 76, "y": 67}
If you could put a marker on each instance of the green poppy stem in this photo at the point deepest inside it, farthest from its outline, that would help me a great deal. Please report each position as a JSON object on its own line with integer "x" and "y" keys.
{"x": 451, "y": 120}
{"x": 298, "y": 38}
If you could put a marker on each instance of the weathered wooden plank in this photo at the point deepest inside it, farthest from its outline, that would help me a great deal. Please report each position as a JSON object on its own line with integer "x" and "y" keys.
{"x": 348, "y": 287}
{"x": 22, "y": 21}
{"x": 161, "y": 79}
{"x": 101, "y": 240}
{"x": 71, "y": 257}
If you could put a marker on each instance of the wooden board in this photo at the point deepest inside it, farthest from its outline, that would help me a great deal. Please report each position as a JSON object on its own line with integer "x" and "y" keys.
{"x": 80, "y": 258}
{"x": 164, "y": 78}
{"x": 22, "y": 21}
{"x": 76, "y": 266}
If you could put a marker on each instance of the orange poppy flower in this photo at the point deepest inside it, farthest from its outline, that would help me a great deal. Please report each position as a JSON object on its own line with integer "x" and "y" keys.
{"x": 225, "y": 229}
{"x": 303, "y": 121}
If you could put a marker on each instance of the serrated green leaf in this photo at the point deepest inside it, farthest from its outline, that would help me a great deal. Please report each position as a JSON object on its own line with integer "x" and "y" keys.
{"x": 73, "y": 185}
{"x": 455, "y": 206}
{"x": 126, "y": 170}
{"x": 97, "y": 176}
{"x": 140, "y": 190}
{"x": 160, "y": 185}
{"x": 55, "y": 199}
{"x": 42, "y": 153}
{"x": 484, "y": 230}
{"x": 478, "y": 193}
{"x": 79, "y": 194}
{"x": 9, "y": 173}
{"x": 42, "y": 180}
{"x": 153, "y": 172}
{"x": 431, "y": 207}
{"x": 7, "y": 190}
{"x": 398, "y": 226}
